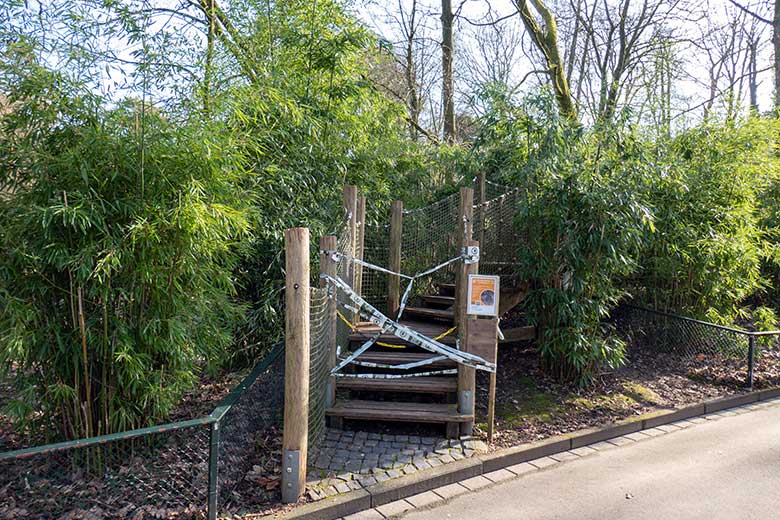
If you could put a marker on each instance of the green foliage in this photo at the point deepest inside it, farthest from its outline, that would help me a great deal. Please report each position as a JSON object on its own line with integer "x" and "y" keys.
{"x": 583, "y": 227}
{"x": 706, "y": 258}
{"x": 117, "y": 248}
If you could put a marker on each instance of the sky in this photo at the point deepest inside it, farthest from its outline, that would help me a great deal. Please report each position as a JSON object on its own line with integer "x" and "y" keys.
{"x": 689, "y": 91}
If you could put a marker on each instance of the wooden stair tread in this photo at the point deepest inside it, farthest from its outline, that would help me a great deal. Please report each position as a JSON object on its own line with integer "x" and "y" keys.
{"x": 431, "y": 330}
{"x": 427, "y": 385}
{"x": 401, "y": 356}
{"x": 448, "y": 288}
{"x": 438, "y": 299}
{"x": 398, "y": 411}
{"x": 437, "y": 314}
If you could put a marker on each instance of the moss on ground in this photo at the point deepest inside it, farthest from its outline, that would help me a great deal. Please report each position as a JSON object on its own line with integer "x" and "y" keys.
{"x": 643, "y": 394}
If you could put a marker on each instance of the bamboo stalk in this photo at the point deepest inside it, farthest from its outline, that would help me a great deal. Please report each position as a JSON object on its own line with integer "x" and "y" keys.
{"x": 87, "y": 383}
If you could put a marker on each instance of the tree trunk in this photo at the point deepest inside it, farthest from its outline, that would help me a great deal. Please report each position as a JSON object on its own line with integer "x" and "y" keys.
{"x": 448, "y": 88}
{"x": 412, "y": 96}
{"x": 546, "y": 40}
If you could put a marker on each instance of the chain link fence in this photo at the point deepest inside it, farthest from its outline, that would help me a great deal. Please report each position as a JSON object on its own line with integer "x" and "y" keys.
{"x": 173, "y": 470}
{"x": 708, "y": 350}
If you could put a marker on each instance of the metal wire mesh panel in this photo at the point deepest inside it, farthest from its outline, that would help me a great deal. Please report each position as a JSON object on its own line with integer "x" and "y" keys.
{"x": 680, "y": 336}
{"x": 319, "y": 348}
{"x": 494, "y": 227}
{"x": 258, "y": 408}
{"x": 430, "y": 238}
{"x": 125, "y": 478}
{"x": 376, "y": 251}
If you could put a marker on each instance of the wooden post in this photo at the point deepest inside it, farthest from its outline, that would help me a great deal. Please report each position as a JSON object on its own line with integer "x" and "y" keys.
{"x": 482, "y": 199}
{"x": 360, "y": 240}
{"x": 491, "y": 418}
{"x": 467, "y": 383}
{"x": 328, "y": 266}
{"x": 394, "y": 262}
{"x": 296, "y": 366}
{"x": 466, "y": 375}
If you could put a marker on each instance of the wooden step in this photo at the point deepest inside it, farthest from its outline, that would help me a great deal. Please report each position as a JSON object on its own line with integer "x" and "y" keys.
{"x": 431, "y": 330}
{"x": 398, "y": 411}
{"x": 436, "y": 299}
{"x": 433, "y": 314}
{"x": 400, "y": 357}
{"x": 446, "y": 289}
{"x": 421, "y": 385}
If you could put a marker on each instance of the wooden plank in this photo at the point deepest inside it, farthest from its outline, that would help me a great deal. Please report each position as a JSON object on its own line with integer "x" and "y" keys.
{"x": 446, "y": 289}
{"x": 525, "y": 333}
{"x": 429, "y": 329}
{"x": 402, "y": 356}
{"x": 510, "y": 297}
{"x": 483, "y": 335}
{"x": 296, "y": 366}
{"x": 434, "y": 314}
{"x": 437, "y": 299}
{"x": 394, "y": 262}
{"x": 398, "y": 411}
{"x": 424, "y": 385}
{"x": 467, "y": 382}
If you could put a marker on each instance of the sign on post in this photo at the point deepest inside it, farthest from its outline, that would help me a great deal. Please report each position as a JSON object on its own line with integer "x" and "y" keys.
{"x": 483, "y": 295}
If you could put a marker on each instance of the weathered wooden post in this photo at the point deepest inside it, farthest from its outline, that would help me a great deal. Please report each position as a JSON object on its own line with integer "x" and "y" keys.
{"x": 466, "y": 375}
{"x": 328, "y": 266}
{"x": 394, "y": 262}
{"x": 296, "y": 365}
{"x": 360, "y": 241}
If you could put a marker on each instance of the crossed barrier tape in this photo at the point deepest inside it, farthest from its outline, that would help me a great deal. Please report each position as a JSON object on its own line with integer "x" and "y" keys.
{"x": 387, "y": 325}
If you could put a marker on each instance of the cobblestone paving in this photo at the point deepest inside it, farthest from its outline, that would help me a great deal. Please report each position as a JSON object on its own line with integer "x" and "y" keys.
{"x": 348, "y": 460}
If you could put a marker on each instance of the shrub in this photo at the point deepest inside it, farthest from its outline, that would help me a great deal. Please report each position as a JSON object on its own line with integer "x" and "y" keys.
{"x": 116, "y": 255}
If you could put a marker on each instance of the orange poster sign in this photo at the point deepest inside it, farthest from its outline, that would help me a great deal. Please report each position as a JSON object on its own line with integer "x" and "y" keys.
{"x": 483, "y": 295}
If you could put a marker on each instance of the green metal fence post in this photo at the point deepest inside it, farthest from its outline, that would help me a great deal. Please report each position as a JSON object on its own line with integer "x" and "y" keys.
{"x": 213, "y": 465}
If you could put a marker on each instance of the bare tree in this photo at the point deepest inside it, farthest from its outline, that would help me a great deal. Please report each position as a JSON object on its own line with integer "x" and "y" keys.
{"x": 545, "y": 38}
{"x": 448, "y": 84}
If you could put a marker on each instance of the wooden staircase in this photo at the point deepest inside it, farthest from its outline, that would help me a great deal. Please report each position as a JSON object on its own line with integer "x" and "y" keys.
{"x": 419, "y": 399}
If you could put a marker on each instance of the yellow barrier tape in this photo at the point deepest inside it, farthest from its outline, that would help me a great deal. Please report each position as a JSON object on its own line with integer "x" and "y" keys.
{"x": 389, "y": 345}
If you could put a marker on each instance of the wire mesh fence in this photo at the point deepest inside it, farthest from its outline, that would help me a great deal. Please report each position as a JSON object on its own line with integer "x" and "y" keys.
{"x": 707, "y": 349}
{"x": 495, "y": 229}
{"x": 319, "y": 350}
{"x": 177, "y": 469}
{"x": 376, "y": 250}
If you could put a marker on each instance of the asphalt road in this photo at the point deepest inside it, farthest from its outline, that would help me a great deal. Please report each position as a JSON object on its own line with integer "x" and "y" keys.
{"x": 725, "y": 469}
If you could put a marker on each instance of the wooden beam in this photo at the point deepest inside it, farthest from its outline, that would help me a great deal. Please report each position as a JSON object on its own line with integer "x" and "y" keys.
{"x": 296, "y": 366}
{"x": 328, "y": 266}
{"x": 394, "y": 262}
{"x": 466, "y": 375}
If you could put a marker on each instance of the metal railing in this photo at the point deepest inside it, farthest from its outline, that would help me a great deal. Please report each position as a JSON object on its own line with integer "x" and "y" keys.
{"x": 182, "y": 467}
{"x": 692, "y": 338}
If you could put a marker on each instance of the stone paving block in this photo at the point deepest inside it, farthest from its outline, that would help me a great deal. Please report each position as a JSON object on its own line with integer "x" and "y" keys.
{"x": 637, "y": 436}
{"x": 564, "y": 457}
{"x": 457, "y": 455}
{"x": 669, "y": 428}
{"x": 543, "y": 462}
{"x": 601, "y": 446}
{"x": 368, "y": 514}
{"x": 396, "y": 508}
{"x": 367, "y": 481}
{"x": 446, "y": 459}
{"x": 685, "y": 423}
{"x": 499, "y": 475}
{"x": 343, "y": 488}
{"x": 522, "y": 468}
{"x": 394, "y": 473}
{"x": 381, "y": 477}
{"x": 583, "y": 451}
{"x": 475, "y": 483}
{"x": 354, "y": 484}
{"x": 450, "y": 490}
{"x": 621, "y": 441}
{"x": 698, "y": 420}
{"x": 409, "y": 469}
{"x": 654, "y": 432}
{"x": 424, "y": 499}
{"x": 434, "y": 462}
{"x": 422, "y": 465}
